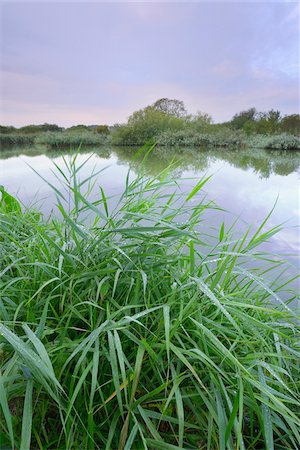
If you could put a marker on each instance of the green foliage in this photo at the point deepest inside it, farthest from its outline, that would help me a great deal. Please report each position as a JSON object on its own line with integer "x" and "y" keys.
{"x": 8, "y": 204}
{"x": 265, "y": 123}
{"x": 240, "y": 119}
{"x": 171, "y": 107}
{"x": 50, "y": 127}
{"x": 10, "y": 136}
{"x": 268, "y": 123}
{"x": 165, "y": 116}
{"x": 128, "y": 327}
{"x": 29, "y": 129}
{"x": 16, "y": 139}
{"x": 200, "y": 121}
{"x": 249, "y": 127}
{"x": 191, "y": 138}
{"x": 102, "y": 129}
{"x": 79, "y": 128}
{"x": 73, "y": 139}
{"x": 167, "y": 122}
{"x": 291, "y": 124}
{"x": 277, "y": 142}
{"x": 146, "y": 124}
{"x": 34, "y": 129}
{"x": 7, "y": 130}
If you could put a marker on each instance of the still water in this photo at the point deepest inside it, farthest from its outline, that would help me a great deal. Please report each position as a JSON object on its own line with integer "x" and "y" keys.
{"x": 246, "y": 184}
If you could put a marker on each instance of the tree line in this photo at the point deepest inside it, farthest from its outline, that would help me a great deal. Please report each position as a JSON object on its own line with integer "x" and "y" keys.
{"x": 171, "y": 115}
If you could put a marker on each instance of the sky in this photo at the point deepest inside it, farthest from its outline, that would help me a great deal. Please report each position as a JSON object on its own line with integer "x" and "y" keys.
{"x": 97, "y": 62}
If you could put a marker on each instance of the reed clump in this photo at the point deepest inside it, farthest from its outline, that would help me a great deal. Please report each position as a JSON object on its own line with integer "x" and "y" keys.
{"x": 73, "y": 139}
{"x": 192, "y": 138}
{"x": 124, "y": 325}
{"x": 52, "y": 139}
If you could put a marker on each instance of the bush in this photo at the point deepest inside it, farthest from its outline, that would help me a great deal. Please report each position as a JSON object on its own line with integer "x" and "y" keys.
{"x": 36, "y": 129}
{"x": 7, "y": 130}
{"x": 277, "y": 142}
{"x": 79, "y": 129}
{"x": 102, "y": 129}
{"x": 190, "y": 137}
{"x": 291, "y": 124}
{"x": 146, "y": 124}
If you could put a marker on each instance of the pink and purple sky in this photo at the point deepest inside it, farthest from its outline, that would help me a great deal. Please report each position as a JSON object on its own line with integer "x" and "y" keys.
{"x": 97, "y": 62}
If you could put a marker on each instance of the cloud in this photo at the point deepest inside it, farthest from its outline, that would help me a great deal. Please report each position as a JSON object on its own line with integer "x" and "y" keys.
{"x": 22, "y": 113}
{"x": 118, "y": 57}
{"x": 227, "y": 69}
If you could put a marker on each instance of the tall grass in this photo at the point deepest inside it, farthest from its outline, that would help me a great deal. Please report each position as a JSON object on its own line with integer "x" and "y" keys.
{"x": 224, "y": 138}
{"x": 125, "y": 326}
{"x": 55, "y": 139}
{"x": 73, "y": 139}
{"x": 211, "y": 137}
{"x": 11, "y": 139}
{"x": 281, "y": 141}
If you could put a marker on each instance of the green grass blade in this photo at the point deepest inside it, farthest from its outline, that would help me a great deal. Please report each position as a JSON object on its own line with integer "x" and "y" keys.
{"x": 27, "y": 418}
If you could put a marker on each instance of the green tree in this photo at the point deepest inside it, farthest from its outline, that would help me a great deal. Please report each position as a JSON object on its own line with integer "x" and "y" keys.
{"x": 200, "y": 121}
{"x": 50, "y": 127}
{"x": 268, "y": 122}
{"x": 29, "y": 129}
{"x": 291, "y": 124}
{"x": 240, "y": 119}
{"x": 102, "y": 129}
{"x": 32, "y": 129}
{"x": 250, "y": 127}
{"x": 145, "y": 124}
{"x": 7, "y": 129}
{"x": 79, "y": 127}
{"x": 171, "y": 107}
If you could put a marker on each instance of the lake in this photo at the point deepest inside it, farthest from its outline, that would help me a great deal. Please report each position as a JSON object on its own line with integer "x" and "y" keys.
{"x": 245, "y": 183}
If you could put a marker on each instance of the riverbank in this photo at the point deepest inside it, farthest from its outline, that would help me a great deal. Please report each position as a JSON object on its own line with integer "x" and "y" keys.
{"x": 182, "y": 138}
{"x": 133, "y": 328}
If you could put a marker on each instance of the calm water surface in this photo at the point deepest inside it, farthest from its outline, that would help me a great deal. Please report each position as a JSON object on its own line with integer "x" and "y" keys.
{"x": 244, "y": 183}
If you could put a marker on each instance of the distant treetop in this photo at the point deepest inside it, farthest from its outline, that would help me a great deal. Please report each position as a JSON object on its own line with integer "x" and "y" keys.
{"x": 171, "y": 107}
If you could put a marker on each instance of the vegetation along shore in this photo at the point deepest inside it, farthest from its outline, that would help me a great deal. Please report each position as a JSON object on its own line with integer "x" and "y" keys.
{"x": 168, "y": 123}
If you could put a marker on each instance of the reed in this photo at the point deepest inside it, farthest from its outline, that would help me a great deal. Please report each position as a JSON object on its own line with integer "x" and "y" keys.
{"x": 124, "y": 325}
{"x": 72, "y": 139}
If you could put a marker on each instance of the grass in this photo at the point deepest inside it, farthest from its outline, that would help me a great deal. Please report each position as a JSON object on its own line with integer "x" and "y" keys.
{"x": 224, "y": 139}
{"x": 125, "y": 326}
{"x": 228, "y": 139}
{"x": 12, "y": 139}
{"x": 54, "y": 139}
{"x": 192, "y": 138}
{"x": 72, "y": 139}
{"x": 281, "y": 141}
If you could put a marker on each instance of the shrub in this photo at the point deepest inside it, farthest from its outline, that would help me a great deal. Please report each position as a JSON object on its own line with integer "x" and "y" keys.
{"x": 291, "y": 124}
{"x": 7, "y": 130}
{"x": 146, "y": 124}
{"x": 102, "y": 129}
{"x": 79, "y": 128}
{"x": 190, "y": 137}
{"x": 277, "y": 142}
{"x": 36, "y": 129}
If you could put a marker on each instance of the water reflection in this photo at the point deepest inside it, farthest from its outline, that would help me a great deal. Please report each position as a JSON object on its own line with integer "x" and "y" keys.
{"x": 245, "y": 183}
{"x": 263, "y": 162}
